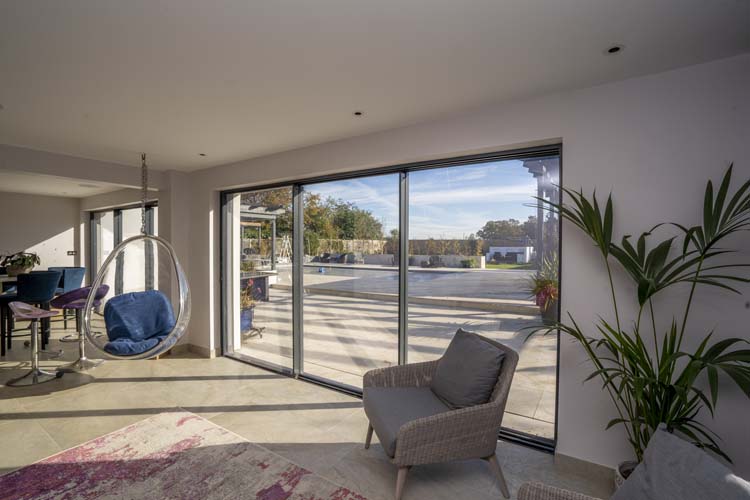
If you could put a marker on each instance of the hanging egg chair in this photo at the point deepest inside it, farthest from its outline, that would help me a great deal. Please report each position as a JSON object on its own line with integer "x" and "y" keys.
{"x": 146, "y": 308}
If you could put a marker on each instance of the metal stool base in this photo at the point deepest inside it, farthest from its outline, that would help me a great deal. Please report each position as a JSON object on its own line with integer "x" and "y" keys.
{"x": 33, "y": 377}
{"x": 73, "y": 337}
{"x": 82, "y": 365}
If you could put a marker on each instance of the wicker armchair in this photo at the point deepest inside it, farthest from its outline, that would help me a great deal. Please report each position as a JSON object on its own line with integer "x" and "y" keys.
{"x": 539, "y": 491}
{"x": 452, "y": 435}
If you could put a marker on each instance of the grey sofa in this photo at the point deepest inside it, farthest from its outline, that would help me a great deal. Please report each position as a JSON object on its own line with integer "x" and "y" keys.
{"x": 415, "y": 427}
{"x": 672, "y": 469}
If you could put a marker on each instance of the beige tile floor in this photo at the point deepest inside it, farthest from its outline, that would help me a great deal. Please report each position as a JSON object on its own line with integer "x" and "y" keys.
{"x": 315, "y": 427}
{"x": 345, "y": 337}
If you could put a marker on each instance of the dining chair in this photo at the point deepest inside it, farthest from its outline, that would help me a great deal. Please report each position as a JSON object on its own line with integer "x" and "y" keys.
{"x": 38, "y": 288}
{"x": 71, "y": 279}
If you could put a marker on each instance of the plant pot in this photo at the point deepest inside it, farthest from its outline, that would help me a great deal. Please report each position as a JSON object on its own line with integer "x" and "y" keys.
{"x": 623, "y": 471}
{"x": 246, "y": 319}
{"x": 16, "y": 270}
{"x": 549, "y": 315}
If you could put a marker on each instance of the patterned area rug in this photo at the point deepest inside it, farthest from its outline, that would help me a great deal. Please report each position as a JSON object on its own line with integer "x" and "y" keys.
{"x": 169, "y": 456}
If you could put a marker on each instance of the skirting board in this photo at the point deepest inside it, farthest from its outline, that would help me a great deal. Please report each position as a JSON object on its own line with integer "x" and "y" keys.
{"x": 578, "y": 466}
{"x": 201, "y": 351}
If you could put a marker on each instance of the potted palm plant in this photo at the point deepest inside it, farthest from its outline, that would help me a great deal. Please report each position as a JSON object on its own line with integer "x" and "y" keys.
{"x": 20, "y": 263}
{"x": 650, "y": 373}
{"x": 543, "y": 288}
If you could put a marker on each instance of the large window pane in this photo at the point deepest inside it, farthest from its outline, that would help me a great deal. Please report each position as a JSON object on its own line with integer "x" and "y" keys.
{"x": 260, "y": 266}
{"x": 105, "y": 237}
{"x": 476, "y": 238}
{"x": 350, "y": 276}
{"x": 136, "y": 268}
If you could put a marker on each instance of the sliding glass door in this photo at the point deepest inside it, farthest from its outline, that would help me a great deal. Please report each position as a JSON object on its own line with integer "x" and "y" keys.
{"x": 258, "y": 262}
{"x": 350, "y": 277}
{"x": 360, "y": 272}
{"x": 476, "y": 239}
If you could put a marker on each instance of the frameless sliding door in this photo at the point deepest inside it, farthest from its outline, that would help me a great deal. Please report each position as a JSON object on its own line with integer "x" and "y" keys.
{"x": 343, "y": 275}
{"x": 350, "y": 277}
{"x": 476, "y": 239}
{"x": 258, "y": 267}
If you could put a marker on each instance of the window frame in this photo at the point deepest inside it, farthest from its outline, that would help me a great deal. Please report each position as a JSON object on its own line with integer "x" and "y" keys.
{"x": 555, "y": 149}
{"x": 117, "y": 231}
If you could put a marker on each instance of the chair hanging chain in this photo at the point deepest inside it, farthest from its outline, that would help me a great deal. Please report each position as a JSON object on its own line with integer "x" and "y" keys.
{"x": 144, "y": 192}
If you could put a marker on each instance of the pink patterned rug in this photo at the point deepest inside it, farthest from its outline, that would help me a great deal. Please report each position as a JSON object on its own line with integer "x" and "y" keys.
{"x": 169, "y": 456}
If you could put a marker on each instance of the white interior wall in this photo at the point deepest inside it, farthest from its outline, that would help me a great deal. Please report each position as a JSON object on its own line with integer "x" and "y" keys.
{"x": 45, "y": 225}
{"x": 654, "y": 140}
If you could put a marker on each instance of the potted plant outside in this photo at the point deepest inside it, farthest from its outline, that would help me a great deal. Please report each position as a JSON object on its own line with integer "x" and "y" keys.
{"x": 543, "y": 287}
{"x": 247, "y": 306}
{"x": 20, "y": 263}
{"x": 650, "y": 372}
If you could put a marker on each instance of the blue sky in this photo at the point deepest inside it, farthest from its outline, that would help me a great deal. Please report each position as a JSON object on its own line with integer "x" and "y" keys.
{"x": 444, "y": 203}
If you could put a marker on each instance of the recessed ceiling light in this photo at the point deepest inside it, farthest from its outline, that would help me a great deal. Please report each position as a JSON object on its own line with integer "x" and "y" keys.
{"x": 614, "y": 49}
{"x": 359, "y": 113}
{"x": 201, "y": 154}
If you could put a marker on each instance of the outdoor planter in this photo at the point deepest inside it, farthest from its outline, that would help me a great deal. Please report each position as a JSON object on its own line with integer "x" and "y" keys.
{"x": 246, "y": 319}
{"x": 549, "y": 315}
{"x": 623, "y": 471}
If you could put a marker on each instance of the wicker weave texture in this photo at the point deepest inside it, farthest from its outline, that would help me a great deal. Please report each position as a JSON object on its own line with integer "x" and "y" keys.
{"x": 539, "y": 491}
{"x": 453, "y": 435}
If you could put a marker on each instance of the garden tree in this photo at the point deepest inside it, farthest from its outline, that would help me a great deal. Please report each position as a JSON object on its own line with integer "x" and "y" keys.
{"x": 325, "y": 219}
{"x": 509, "y": 229}
{"x": 272, "y": 200}
{"x": 353, "y": 223}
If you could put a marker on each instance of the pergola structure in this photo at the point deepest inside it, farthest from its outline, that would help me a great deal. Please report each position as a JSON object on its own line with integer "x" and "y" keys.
{"x": 546, "y": 171}
{"x": 254, "y": 216}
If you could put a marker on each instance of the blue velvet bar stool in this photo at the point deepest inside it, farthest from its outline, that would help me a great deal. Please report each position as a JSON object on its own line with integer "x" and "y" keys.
{"x": 33, "y": 288}
{"x": 71, "y": 279}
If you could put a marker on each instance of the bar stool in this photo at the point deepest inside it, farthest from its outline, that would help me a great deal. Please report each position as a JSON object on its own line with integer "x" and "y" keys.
{"x": 75, "y": 300}
{"x": 38, "y": 288}
{"x": 36, "y": 375}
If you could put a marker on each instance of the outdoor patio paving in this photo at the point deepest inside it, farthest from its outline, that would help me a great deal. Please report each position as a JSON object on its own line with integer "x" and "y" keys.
{"x": 345, "y": 336}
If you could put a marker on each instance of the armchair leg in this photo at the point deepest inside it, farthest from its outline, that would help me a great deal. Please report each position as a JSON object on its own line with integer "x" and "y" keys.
{"x": 498, "y": 471}
{"x": 400, "y": 481}
{"x": 369, "y": 437}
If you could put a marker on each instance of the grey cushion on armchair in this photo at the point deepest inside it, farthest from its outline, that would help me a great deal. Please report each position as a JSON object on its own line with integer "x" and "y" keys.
{"x": 388, "y": 408}
{"x": 673, "y": 469}
{"x": 467, "y": 372}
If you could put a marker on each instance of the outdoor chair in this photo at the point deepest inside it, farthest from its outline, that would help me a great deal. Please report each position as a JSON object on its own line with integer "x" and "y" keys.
{"x": 443, "y": 410}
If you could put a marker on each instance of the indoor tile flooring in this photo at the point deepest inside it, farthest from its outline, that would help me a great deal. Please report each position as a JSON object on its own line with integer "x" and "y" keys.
{"x": 317, "y": 428}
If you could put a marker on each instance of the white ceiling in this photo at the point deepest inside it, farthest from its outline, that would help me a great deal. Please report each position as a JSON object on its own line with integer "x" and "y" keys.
{"x": 49, "y": 185}
{"x": 235, "y": 79}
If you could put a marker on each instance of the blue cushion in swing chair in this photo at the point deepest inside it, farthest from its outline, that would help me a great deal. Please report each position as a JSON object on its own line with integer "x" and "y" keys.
{"x": 137, "y": 322}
